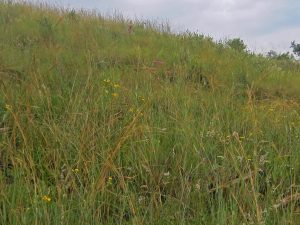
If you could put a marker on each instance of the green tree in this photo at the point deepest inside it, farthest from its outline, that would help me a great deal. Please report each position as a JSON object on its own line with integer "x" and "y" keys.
{"x": 279, "y": 56}
{"x": 296, "y": 48}
{"x": 272, "y": 54}
{"x": 237, "y": 44}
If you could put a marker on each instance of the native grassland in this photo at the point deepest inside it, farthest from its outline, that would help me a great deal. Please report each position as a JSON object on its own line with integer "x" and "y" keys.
{"x": 103, "y": 122}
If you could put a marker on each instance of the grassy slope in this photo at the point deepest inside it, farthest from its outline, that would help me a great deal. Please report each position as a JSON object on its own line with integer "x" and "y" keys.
{"x": 90, "y": 119}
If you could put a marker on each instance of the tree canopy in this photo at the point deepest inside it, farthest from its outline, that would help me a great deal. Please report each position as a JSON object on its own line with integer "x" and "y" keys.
{"x": 296, "y": 48}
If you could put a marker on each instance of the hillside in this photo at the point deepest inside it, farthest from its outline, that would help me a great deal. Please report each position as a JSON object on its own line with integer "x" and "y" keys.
{"x": 107, "y": 122}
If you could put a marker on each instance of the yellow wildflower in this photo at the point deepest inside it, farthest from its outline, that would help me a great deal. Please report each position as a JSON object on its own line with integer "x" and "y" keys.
{"x": 115, "y": 95}
{"x": 106, "y": 80}
{"x": 110, "y": 179}
{"x": 8, "y": 107}
{"x": 46, "y": 198}
{"x": 138, "y": 111}
{"x": 75, "y": 170}
{"x": 117, "y": 86}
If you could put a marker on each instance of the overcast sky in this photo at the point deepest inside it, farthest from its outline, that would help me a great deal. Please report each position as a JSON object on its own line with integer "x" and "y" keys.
{"x": 262, "y": 24}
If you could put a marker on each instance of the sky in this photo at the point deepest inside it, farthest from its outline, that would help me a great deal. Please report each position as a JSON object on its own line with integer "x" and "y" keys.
{"x": 263, "y": 24}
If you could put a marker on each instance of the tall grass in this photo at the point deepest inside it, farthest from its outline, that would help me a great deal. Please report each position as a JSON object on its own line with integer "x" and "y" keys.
{"x": 104, "y": 126}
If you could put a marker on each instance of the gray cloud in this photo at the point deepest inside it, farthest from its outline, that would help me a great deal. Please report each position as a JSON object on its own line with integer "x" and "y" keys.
{"x": 263, "y": 24}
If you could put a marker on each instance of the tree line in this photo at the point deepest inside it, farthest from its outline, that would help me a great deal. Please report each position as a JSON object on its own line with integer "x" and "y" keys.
{"x": 239, "y": 45}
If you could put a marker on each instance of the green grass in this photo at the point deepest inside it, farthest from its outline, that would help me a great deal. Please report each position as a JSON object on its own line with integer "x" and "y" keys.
{"x": 102, "y": 126}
